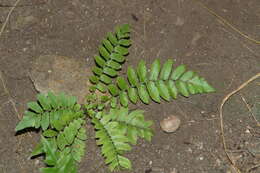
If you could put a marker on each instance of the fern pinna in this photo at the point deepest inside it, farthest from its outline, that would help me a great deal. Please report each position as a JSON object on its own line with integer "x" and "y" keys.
{"x": 62, "y": 120}
{"x": 63, "y": 134}
{"x": 157, "y": 82}
{"x": 115, "y": 130}
{"x": 112, "y": 54}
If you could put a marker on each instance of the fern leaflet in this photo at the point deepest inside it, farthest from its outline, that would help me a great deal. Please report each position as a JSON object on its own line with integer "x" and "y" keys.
{"x": 158, "y": 83}
{"x": 112, "y": 54}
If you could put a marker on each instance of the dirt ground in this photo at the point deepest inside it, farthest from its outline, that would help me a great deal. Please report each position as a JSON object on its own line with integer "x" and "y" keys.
{"x": 182, "y": 30}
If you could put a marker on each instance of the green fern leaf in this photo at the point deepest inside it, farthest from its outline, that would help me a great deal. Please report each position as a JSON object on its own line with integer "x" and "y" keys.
{"x": 63, "y": 99}
{"x": 113, "y": 90}
{"x": 181, "y": 86}
{"x": 124, "y": 162}
{"x": 123, "y": 31}
{"x": 97, "y": 71}
{"x": 61, "y": 141}
{"x": 53, "y": 100}
{"x": 113, "y": 102}
{"x": 112, "y": 39}
{"x": 106, "y": 79}
{"x": 100, "y": 61}
{"x": 117, "y": 57}
{"x": 50, "y": 133}
{"x": 172, "y": 89}
{"x": 114, "y": 65}
{"x": 71, "y": 131}
{"x": 101, "y": 87}
{"x": 49, "y": 170}
{"x": 132, "y": 93}
{"x": 37, "y": 121}
{"x": 206, "y": 87}
{"x": 187, "y": 76}
{"x": 58, "y": 125}
{"x": 50, "y": 148}
{"x": 132, "y": 77}
{"x": 94, "y": 79}
{"x": 35, "y": 107}
{"x": 132, "y": 124}
{"x": 191, "y": 88}
{"x": 44, "y": 101}
{"x": 72, "y": 100}
{"x": 109, "y": 71}
{"x": 65, "y": 164}
{"x": 112, "y": 140}
{"x": 155, "y": 70}
{"x": 122, "y": 84}
{"x": 108, "y": 45}
{"x": 125, "y": 28}
{"x": 143, "y": 94}
{"x": 104, "y": 53}
{"x": 178, "y": 72}
{"x": 163, "y": 90}
{"x": 153, "y": 91}
{"x": 121, "y": 50}
{"x": 170, "y": 84}
{"x": 123, "y": 98}
{"x": 82, "y": 134}
{"x": 125, "y": 42}
{"x": 45, "y": 120}
{"x": 166, "y": 69}
{"x": 142, "y": 71}
{"x": 29, "y": 120}
{"x": 78, "y": 149}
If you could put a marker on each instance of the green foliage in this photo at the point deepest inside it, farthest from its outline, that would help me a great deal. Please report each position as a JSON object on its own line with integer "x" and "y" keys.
{"x": 158, "y": 83}
{"x": 58, "y": 161}
{"x": 62, "y": 121}
{"x": 50, "y": 111}
{"x": 115, "y": 130}
{"x": 112, "y": 54}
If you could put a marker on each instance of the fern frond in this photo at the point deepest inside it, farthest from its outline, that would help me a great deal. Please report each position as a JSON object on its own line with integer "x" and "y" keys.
{"x": 73, "y": 137}
{"x": 57, "y": 161}
{"x": 62, "y": 123}
{"x": 70, "y": 141}
{"x": 158, "y": 83}
{"x": 112, "y": 140}
{"x": 132, "y": 124}
{"x": 50, "y": 111}
{"x": 111, "y": 56}
{"x": 115, "y": 130}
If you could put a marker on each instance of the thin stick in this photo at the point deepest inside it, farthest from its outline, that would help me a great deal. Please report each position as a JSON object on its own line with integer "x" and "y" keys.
{"x": 9, "y": 96}
{"x": 221, "y": 117}
{"x": 253, "y": 167}
{"x": 250, "y": 110}
{"x": 8, "y": 16}
{"x": 227, "y": 23}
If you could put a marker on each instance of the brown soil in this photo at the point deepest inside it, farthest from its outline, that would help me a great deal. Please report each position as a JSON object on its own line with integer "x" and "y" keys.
{"x": 182, "y": 30}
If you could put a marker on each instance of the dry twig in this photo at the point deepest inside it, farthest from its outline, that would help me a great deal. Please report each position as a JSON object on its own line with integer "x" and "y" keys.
{"x": 221, "y": 117}
{"x": 250, "y": 110}
{"x": 227, "y": 23}
{"x": 9, "y": 96}
{"x": 8, "y": 16}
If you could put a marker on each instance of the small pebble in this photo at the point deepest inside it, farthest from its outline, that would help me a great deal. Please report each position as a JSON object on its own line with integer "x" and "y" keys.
{"x": 170, "y": 124}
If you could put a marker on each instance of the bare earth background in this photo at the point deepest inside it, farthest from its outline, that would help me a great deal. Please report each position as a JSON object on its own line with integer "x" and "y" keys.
{"x": 182, "y": 30}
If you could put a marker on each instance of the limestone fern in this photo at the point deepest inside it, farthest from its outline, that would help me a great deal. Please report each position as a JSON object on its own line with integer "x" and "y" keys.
{"x": 62, "y": 120}
{"x": 63, "y": 134}
{"x": 157, "y": 83}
